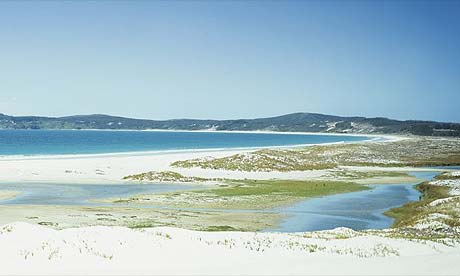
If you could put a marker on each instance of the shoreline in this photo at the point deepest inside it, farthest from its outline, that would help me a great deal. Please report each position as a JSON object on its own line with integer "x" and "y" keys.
{"x": 111, "y": 168}
{"x": 223, "y": 131}
{"x": 374, "y": 138}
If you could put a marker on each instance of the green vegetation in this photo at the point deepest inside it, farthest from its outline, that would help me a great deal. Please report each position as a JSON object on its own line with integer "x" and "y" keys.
{"x": 165, "y": 176}
{"x": 262, "y": 160}
{"x": 294, "y": 188}
{"x": 438, "y": 209}
{"x": 411, "y": 212}
{"x": 144, "y": 224}
{"x": 359, "y": 175}
{"x": 246, "y": 194}
{"x": 447, "y": 176}
{"x": 416, "y": 152}
{"x": 435, "y": 216}
{"x": 370, "y": 174}
{"x": 47, "y": 223}
{"x": 216, "y": 228}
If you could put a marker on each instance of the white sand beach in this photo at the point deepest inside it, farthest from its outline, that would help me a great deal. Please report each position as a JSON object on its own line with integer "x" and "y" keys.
{"x": 118, "y": 250}
{"x": 111, "y": 168}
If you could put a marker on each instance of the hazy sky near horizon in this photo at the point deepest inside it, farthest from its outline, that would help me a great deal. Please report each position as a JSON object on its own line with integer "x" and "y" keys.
{"x": 236, "y": 59}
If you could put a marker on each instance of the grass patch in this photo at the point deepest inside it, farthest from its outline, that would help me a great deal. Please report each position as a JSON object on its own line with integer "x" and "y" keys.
{"x": 265, "y": 194}
{"x": 409, "y": 213}
{"x": 354, "y": 174}
{"x": 415, "y": 152}
{"x": 165, "y": 176}
{"x": 217, "y": 228}
{"x": 142, "y": 224}
{"x": 261, "y": 160}
{"x": 48, "y": 223}
{"x": 248, "y": 194}
{"x": 294, "y": 188}
{"x": 374, "y": 177}
{"x": 447, "y": 176}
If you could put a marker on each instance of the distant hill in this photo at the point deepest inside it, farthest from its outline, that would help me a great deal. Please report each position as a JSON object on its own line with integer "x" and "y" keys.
{"x": 296, "y": 122}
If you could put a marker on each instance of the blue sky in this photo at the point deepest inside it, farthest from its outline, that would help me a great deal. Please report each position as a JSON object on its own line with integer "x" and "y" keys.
{"x": 237, "y": 59}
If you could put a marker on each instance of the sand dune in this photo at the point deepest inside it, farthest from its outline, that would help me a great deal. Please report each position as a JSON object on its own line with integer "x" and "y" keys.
{"x": 32, "y": 249}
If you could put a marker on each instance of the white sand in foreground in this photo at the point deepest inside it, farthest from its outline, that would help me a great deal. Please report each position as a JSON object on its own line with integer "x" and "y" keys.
{"x": 31, "y": 249}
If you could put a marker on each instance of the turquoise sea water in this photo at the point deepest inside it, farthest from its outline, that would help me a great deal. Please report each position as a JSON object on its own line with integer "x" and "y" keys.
{"x": 42, "y": 142}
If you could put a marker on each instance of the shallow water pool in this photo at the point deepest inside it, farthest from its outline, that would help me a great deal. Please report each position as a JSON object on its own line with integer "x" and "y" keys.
{"x": 357, "y": 210}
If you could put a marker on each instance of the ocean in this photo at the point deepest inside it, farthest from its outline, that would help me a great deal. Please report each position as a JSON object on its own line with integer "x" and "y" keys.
{"x": 50, "y": 142}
